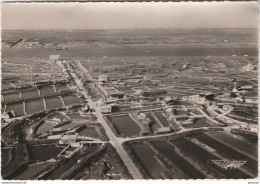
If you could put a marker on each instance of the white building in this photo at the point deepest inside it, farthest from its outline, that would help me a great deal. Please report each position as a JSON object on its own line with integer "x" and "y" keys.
{"x": 105, "y": 108}
{"x": 164, "y": 130}
{"x": 103, "y": 78}
{"x": 248, "y": 68}
{"x": 54, "y": 57}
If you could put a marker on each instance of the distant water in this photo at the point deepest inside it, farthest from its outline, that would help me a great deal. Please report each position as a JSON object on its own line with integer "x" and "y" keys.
{"x": 126, "y": 52}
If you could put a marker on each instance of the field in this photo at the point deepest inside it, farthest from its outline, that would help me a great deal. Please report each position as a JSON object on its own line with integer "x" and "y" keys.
{"x": 47, "y": 90}
{"x": 89, "y": 132}
{"x": 70, "y": 99}
{"x": 5, "y": 156}
{"x": 189, "y": 155}
{"x": 59, "y": 171}
{"x": 125, "y": 125}
{"x": 75, "y": 116}
{"x": 177, "y": 38}
{"x": 147, "y": 159}
{"x": 30, "y": 94}
{"x": 12, "y": 96}
{"x": 104, "y": 165}
{"x": 199, "y": 122}
{"x": 43, "y": 152}
{"x": 165, "y": 139}
{"x": 35, "y": 103}
{"x": 32, "y": 170}
{"x": 168, "y": 150}
{"x": 59, "y": 116}
{"x": 53, "y": 103}
{"x": 232, "y": 139}
{"x": 61, "y": 87}
{"x": 46, "y": 126}
{"x": 17, "y": 107}
{"x": 162, "y": 119}
{"x": 129, "y": 50}
{"x": 154, "y": 124}
{"x": 24, "y": 71}
{"x": 34, "y": 106}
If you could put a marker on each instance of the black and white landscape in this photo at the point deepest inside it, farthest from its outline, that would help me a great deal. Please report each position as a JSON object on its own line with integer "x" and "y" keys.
{"x": 129, "y": 91}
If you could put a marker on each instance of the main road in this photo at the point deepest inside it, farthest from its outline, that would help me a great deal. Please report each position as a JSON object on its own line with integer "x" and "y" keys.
{"x": 115, "y": 141}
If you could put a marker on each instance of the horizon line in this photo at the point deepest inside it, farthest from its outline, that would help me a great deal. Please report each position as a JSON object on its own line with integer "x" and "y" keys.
{"x": 60, "y": 29}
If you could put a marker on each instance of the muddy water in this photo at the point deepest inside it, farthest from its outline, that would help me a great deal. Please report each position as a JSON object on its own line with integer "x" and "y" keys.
{"x": 70, "y": 99}
{"x": 18, "y": 108}
{"x": 58, "y": 172}
{"x": 126, "y": 52}
{"x": 189, "y": 169}
{"x": 11, "y": 96}
{"x": 89, "y": 132}
{"x": 2, "y": 108}
{"x": 34, "y": 106}
{"x": 32, "y": 170}
{"x": 30, "y": 94}
{"x": 180, "y": 112}
{"x": 53, "y": 103}
{"x": 59, "y": 116}
{"x": 75, "y": 116}
{"x": 225, "y": 150}
{"x": 206, "y": 157}
{"x": 4, "y": 157}
{"x": 146, "y": 156}
{"x": 125, "y": 125}
{"x": 45, "y": 90}
{"x": 69, "y": 126}
{"x": 249, "y": 139}
{"x": 198, "y": 122}
{"x": 44, "y": 127}
{"x": 43, "y": 152}
{"x": 236, "y": 141}
{"x": 61, "y": 87}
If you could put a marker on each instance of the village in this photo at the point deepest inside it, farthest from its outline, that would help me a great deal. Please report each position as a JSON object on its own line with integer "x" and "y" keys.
{"x": 108, "y": 113}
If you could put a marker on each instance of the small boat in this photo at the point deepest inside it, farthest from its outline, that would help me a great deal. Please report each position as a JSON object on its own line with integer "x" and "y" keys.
{"x": 62, "y": 48}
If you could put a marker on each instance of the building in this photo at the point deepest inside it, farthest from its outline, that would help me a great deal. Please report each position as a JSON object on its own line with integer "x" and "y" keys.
{"x": 68, "y": 139}
{"x": 144, "y": 123}
{"x": 164, "y": 130}
{"x": 103, "y": 78}
{"x": 54, "y": 57}
{"x": 75, "y": 144}
{"x": 54, "y": 137}
{"x": 169, "y": 101}
{"x": 245, "y": 87}
{"x": 169, "y": 110}
{"x": 208, "y": 96}
{"x": 57, "y": 130}
{"x": 185, "y": 66}
{"x": 86, "y": 109}
{"x": 111, "y": 101}
{"x": 145, "y": 129}
{"x": 7, "y": 116}
{"x": 139, "y": 91}
{"x": 248, "y": 68}
{"x": 53, "y": 120}
{"x": 105, "y": 108}
{"x": 112, "y": 92}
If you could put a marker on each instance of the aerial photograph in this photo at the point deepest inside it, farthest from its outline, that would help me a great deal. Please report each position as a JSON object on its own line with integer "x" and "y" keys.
{"x": 129, "y": 91}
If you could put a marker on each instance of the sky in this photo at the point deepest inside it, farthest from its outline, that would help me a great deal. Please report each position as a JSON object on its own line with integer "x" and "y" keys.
{"x": 129, "y": 15}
